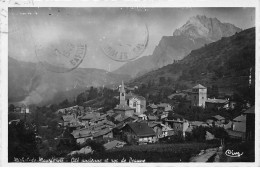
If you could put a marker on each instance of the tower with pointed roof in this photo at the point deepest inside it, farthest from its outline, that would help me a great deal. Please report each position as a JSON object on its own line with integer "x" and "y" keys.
{"x": 198, "y": 95}
{"x": 122, "y": 94}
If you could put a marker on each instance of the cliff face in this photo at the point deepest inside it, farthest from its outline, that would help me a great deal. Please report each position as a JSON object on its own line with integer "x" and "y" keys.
{"x": 195, "y": 33}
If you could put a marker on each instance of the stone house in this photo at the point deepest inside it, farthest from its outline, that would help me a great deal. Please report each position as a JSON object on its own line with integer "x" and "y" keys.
{"x": 138, "y": 133}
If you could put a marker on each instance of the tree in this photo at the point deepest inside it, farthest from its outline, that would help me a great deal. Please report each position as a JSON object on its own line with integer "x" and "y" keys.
{"x": 95, "y": 145}
{"x": 65, "y": 103}
{"x": 162, "y": 80}
{"x": 11, "y": 108}
{"x": 22, "y": 141}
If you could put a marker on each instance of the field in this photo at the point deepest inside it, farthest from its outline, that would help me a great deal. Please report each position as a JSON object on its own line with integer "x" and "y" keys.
{"x": 150, "y": 153}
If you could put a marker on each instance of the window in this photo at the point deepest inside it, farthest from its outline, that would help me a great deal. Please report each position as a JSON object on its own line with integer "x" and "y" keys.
{"x": 122, "y": 94}
{"x": 134, "y": 104}
{"x": 202, "y": 97}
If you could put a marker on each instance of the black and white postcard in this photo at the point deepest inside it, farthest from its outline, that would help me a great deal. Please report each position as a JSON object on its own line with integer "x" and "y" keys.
{"x": 139, "y": 82}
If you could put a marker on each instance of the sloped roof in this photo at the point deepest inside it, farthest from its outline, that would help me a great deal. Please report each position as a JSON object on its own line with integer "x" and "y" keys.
{"x": 67, "y": 118}
{"x": 199, "y": 86}
{"x": 141, "y": 129}
{"x": 251, "y": 110}
{"x": 241, "y": 118}
{"x": 153, "y": 106}
{"x": 102, "y": 132}
{"x": 153, "y": 124}
{"x": 164, "y": 105}
{"x": 220, "y": 101}
{"x": 197, "y": 123}
{"x": 175, "y": 116}
{"x": 218, "y": 117}
{"x": 151, "y": 117}
{"x": 123, "y": 107}
{"x": 131, "y": 95}
{"x": 89, "y": 116}
{"x": 189, "y": 129}
{"x": 239, "y": 126}
{"x": 81, "y": 133}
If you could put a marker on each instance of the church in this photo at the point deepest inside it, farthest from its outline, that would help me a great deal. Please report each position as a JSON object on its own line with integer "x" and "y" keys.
{"x": 130, "y": 104}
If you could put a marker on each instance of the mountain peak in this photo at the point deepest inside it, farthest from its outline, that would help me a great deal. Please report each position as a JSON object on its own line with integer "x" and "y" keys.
{"x": 200, "y": 26}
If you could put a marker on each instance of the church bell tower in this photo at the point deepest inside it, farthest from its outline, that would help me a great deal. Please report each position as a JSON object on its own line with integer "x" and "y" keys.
{"x": 122, "y": 94}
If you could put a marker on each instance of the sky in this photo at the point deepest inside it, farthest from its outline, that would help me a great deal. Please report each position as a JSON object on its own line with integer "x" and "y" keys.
{"x": 46, "y": 27}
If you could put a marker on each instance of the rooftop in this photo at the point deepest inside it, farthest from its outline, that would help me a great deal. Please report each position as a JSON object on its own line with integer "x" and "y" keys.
{"x": 218, "y": 117}
{"x": 251, "y": 110}
{"x": 199, "y": 86}
{"x": 153, "y": 106}
{"x": 81, "y": 133}
{"x": 151, "y": 117}
{"x": 67, "y": 118}
{"x": 220, "y": 101}
{"x": 123, "y": 107}
{"x": 141, "y": 129}
{"x": 132, "y": 95}
{"x": 102, "y": 132}
{"x": 197, "y": 123}
{"x": 241, "y": 118}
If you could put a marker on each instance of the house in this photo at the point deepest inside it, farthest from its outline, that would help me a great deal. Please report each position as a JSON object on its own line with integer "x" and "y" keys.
{"x": 157, "y": 128}
{"x": 217, "y": 103}
{"x": 86, "y": 119}
{"x": 239, "y": 123}
{"x": 177, "y": 123}
{"x": 166, "y": 131}
{"x": 198, "y": 96}
{"x": 82, "y": 135}
{"x": 216, "y": 120}
{"x": 209, "y": 136}
{"x": 164, "y": 115}
{"x": 250, "y": 123}
{"x": 124, "y": 110}
{"x": 105, "y": 133}
{"x": 152, "y": 108}
{"x": 97, "y": 120}
{"x": 198, "y": 123}
{"x": 130, "y": 103}
{"x": 165, "y": 107}
{"x": 138, "y": 133}
{"x": 136, "y": 102}
{"x": 238, "y": 128}
{"x": 142, "y": 116}
{"x": 67, "y": 119}
{"x": 22, "y": 108}
{"x": 152, "y": 118}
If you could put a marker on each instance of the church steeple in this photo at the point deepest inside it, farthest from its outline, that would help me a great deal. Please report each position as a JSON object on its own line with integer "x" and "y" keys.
{"x": 122, "y": 94}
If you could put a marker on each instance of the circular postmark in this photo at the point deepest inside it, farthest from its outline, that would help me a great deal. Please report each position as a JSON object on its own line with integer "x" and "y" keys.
{"x": 57, "y": 48}
{"x": 62, "y": 57}
{"x": 125, "y": 38}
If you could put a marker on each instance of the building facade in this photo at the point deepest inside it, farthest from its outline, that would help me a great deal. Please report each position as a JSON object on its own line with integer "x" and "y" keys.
{"x": 198, "y": 96}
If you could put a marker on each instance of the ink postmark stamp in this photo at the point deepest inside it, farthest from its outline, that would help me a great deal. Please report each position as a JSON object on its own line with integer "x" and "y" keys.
{"x": 61, "y": 58}
{"x": 125, "y": 39}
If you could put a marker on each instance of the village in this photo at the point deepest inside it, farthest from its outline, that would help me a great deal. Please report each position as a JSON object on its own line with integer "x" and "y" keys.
{"x": 135, "y": 122}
